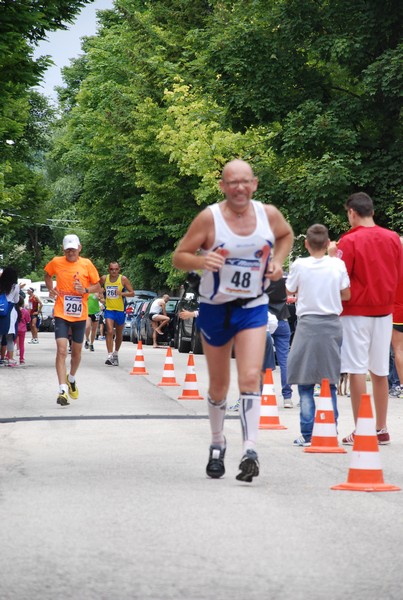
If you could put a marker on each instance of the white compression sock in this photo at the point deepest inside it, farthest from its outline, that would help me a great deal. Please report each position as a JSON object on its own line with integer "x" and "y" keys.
{"x": 250, "y": 416}
{"x": 216, "y": 414}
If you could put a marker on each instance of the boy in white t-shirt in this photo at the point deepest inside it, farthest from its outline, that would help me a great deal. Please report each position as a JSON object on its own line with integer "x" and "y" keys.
{"x": 321, "y": 283}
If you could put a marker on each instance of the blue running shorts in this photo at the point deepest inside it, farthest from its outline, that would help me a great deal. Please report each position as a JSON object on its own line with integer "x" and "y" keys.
{"x": 221, "y": 322}
{"x": 118, "y": 316}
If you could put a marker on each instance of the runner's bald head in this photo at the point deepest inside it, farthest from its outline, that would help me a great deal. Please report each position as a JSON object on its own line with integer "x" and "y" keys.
{"x": 234, "y": 164}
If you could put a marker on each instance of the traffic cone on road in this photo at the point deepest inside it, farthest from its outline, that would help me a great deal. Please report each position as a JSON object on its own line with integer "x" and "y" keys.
{"x": 139, "y": 366}
{"x": 365, "y": 474}
{"x": 190, "y": 391}
{"x": 168, "y": 376}
{"x": 324, "y": 434}
{"x": 269, "y": 418}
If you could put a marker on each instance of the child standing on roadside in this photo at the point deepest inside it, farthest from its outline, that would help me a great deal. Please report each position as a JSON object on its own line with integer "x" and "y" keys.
{"x": 322, "y": 283}
{"x": 24, "y": 318}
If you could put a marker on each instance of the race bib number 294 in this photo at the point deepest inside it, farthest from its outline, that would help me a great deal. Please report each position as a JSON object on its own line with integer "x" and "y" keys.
{"x": 73, "y": 306}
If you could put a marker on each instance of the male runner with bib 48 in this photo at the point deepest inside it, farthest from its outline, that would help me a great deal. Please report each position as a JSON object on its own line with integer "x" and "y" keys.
{"x": 76, "y": 277}
{"x": 243, "y": 244}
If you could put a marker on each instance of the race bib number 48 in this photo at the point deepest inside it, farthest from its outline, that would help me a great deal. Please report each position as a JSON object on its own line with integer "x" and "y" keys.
{"x": 73, "y": 306}
{"x": 240, "y": 278}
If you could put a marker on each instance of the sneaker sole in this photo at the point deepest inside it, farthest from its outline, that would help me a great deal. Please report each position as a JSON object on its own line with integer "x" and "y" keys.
{"x": 62, "y": 401}
{"x": 249, "y": 469}
{"x": 215, "y": 474}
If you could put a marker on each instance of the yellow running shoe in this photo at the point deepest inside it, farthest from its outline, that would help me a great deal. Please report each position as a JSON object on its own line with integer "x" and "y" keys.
{"x": 73, "y": 389}
{"x": 62, "y": 399}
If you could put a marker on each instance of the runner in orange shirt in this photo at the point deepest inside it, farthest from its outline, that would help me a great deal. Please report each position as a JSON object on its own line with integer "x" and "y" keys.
{"x": 76, "y": 277}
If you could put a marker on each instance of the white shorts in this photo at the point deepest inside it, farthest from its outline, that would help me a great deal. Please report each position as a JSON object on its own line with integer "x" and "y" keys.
{"x": 366, "y": 344}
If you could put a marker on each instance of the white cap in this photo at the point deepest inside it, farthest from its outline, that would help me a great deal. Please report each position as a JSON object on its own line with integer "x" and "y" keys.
{"x": 71, "y": 241}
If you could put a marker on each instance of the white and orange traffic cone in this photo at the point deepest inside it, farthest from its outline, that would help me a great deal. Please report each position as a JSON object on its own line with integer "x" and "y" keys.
{"x": 139, "y": 366}
{"x": 365, "y": 474}
{"x": 168, "y": 376}
{"x": 269, "y": 418}
{"x": 324, "y": 434}
{"x": 190, "y": 391}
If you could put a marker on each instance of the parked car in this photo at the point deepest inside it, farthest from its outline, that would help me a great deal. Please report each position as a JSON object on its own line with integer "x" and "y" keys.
{"x": 146, "y": 330}
{"x": 47, "y": 320}
{"x": 127, "y": 326}
{"x": 137, "y": 305}
{"x": 138, "y": 314}
{"x": 186, "y": 335}
{"x": 143, "y": 294}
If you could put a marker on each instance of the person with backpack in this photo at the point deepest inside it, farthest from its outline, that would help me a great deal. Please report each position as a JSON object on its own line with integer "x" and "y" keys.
{"x": 9, "y": 297}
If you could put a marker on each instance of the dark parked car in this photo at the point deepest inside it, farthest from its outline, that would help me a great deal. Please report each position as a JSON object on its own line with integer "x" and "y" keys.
{"x": 131, "y": 306}
{"x": 138, "y": 311}
{"x": 146, "y": 330}
{"x": 143, "y": 294}
{"x": 187, "y": 336}
{"x": 47, "y": 321}
{"x": 127, "y": 326}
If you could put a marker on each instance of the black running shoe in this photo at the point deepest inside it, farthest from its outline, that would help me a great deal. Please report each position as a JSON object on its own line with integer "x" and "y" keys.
{"x": 215, "y": 466}
{"x": 249, "y": 466}
{"x": 109, "y": 361}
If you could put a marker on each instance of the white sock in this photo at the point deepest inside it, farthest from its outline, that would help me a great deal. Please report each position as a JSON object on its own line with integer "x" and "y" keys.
{"x": 250, "y": 416}
{"x": 63, "y": 388}
{"x": 216, "y": 414}
{"x": 72, "y": 378}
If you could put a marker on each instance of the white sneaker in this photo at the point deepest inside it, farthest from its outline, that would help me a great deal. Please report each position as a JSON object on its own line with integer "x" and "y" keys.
{"x": 235, "y": 406}
{"x": 288, "y": 403}
{"x": 115, "y": 359}
{"x": 301, "y": 441}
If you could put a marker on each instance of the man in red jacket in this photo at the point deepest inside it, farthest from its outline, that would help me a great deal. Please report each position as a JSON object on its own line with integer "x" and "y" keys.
{"x": 374, "y": 261}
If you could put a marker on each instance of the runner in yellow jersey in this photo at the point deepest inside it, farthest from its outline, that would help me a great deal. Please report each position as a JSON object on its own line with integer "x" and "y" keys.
{"x": 117, "y": 287}
{"x": 76, "y": 277}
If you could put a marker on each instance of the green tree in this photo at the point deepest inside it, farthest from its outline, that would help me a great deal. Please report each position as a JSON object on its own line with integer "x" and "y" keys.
{"x": 168, "y": 91}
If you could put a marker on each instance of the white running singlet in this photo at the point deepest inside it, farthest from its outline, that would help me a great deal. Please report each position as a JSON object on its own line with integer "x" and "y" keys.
{"x": 246, "y": 260}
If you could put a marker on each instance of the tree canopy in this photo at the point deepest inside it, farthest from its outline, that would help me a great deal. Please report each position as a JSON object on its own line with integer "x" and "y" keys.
{"x": 308, "y": 91}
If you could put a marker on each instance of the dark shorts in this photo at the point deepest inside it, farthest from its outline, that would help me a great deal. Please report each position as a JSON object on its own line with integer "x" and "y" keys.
{"x": 63, "y": 329}
{"x": 118, "y": 316}
{"x": 94, "y": 318}
{"x": 219, "y": 323}
{"x": 398, "y": 328}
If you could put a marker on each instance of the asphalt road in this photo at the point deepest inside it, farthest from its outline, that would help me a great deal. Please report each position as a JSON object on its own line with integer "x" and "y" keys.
{"x": 108, "y": 499}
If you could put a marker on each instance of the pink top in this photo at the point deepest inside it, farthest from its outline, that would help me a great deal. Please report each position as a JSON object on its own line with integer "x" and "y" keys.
{"x": 25, "y": 318}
